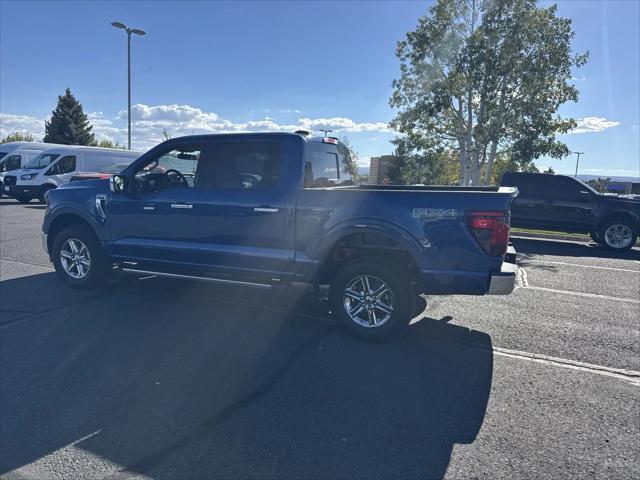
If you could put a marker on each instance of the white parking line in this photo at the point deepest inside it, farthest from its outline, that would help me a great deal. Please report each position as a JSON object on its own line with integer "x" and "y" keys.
{"x": 581, "y": 265}
{"x": 630, "y": 376}
{"x": 583, "y": 294}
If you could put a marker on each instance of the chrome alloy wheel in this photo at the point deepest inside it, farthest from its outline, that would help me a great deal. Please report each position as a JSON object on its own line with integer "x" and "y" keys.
{"x": 368, "y": 301}
{"x": 75, "y": 258}
{"x": 618, "y": 235}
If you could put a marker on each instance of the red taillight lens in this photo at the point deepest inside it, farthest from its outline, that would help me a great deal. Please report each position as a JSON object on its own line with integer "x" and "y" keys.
{"x": 491, "y": 229}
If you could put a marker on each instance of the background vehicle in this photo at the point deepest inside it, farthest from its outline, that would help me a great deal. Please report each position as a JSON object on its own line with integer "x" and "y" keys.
{"x": 13, "y": 155}
{"x": 562, "y": 203}
{"x": 56, "y": 166}
{"x": 102, "y": 175}
{"x": 264, "y": 210}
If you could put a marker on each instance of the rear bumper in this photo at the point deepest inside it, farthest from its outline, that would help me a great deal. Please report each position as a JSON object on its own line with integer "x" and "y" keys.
{"x": 459, "y": 282}
{"x": 503, "y": 282}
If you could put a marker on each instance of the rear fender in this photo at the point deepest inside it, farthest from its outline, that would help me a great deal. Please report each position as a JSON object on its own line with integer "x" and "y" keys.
{"x": 402, "y": 239}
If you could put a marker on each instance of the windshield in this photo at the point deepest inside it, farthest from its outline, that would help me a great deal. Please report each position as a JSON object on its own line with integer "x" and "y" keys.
{"x": 41, "y": 161}
{"x": 588, "y": 187}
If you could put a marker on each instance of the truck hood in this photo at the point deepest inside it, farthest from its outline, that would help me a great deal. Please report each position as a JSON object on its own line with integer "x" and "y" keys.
{"x": 622, "y": 196}
{"x": 99, "y": 185}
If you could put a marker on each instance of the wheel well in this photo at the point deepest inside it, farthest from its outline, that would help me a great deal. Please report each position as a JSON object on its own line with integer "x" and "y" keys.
{"x": 366, "y": 244}
{"x": 64, "y": 221}
{"x": 622, "y": 215}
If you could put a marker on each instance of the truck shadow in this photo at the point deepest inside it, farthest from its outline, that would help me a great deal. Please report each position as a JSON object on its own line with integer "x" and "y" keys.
{"x": 546, "y": 247}
{"x": 175, "y": 379}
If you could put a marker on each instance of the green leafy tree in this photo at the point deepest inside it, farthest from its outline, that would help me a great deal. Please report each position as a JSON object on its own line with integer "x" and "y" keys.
{"x": 549, "y": 170}
{"x": 349, "y": 157}
{"x": 69, "y": 125}
{"x": 411, "y": 166}
{"x": 600, "y": 184}
{"x": 18, "y": 137}
{"x": 480, "y": 77}
{"x": 107, "y": 143}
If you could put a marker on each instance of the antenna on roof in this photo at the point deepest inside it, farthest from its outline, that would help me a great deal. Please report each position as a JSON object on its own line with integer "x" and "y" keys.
{"x": 325, "y": 132}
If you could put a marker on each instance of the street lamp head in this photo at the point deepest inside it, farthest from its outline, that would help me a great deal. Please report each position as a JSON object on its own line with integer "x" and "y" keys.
{"x": 138, "y": 32}
{"x": 118, "y": 25}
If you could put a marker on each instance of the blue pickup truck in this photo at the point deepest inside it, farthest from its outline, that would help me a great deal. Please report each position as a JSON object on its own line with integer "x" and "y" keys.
{"x": 264, "y": 210}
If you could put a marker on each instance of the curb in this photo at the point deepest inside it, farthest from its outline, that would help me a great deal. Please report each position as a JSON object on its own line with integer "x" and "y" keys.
{"x": 552, "y": 236}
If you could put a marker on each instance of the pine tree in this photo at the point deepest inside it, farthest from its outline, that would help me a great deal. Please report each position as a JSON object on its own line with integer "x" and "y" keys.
{"x": 69, "y": 125}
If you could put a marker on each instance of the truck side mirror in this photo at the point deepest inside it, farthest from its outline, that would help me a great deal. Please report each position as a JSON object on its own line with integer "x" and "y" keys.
{"x": 118, "y": 183}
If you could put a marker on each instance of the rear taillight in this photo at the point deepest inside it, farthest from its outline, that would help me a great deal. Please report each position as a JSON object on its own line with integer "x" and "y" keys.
{"x": 491, "y": 229}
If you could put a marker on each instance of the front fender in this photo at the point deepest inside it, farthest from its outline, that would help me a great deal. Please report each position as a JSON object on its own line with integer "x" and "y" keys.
{"x": 86, "y": 210}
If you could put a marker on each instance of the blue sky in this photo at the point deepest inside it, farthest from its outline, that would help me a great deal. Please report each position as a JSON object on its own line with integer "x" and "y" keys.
{"x": 217, "y": 66}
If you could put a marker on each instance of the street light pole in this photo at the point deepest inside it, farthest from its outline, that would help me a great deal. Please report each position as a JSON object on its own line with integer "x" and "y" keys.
{"x": 128, "y": 89}
{"x": 129, "y": 32}
{"x": 577, "y": 162}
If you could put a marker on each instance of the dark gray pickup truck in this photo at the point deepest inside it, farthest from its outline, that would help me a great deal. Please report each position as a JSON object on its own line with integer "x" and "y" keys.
{"x": 265, "y": 210}
{"x": 562, "y": 203}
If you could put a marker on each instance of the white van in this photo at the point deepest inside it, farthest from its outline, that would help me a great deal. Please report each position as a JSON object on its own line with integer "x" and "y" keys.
{"x": 14, "y": 155}
{"x": 56, "y": 166}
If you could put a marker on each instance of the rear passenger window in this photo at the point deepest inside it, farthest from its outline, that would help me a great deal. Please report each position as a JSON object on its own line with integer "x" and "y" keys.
{"x": 66, "y": 164}
{"x": 243, "y": 166}
{"x": 322, "y": 167}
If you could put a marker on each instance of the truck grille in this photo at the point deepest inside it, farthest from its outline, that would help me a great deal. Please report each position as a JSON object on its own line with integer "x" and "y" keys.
{"x": 10, "y": 180}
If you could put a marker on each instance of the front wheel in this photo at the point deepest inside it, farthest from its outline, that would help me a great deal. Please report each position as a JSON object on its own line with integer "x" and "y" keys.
{"x": 78, "y": 259}
{"x": 618, "y": 234}
{"x": 595, "y": 236}
{"x": 23, "y": 199}
{"x": 372, "y": 299}
{"x": 42, "y": 197}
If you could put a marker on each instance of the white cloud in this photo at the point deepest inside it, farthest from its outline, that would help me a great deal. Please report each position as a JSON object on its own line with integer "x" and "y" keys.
{"x": 612, "y": 171}
{"x": 593, "y": 125}
{"x": 579, "y": 79}
{"x": 10, "y": 123}
{"x": 148, "y": 122}
{"x": 364, "y": 161}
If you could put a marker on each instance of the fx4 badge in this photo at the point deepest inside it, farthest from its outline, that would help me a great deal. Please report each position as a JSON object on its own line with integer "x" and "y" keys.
{"x": 435, "y": 212}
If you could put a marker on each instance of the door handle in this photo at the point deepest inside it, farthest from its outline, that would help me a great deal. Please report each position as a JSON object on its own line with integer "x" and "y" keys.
{"x": 148, "y": 207}
{"x": 265, "y": 210}
{"x": 181, "y": 205}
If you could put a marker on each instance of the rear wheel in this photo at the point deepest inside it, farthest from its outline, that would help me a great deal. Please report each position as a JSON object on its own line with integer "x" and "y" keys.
{"x": 372, "y": 299}
{"x": 618, "y": 234}
{"x": 78, "y": 259}
{"x": 23, "y": 199}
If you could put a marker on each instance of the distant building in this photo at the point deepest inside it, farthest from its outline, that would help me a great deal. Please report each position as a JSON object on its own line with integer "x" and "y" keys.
{"x": 378, "y": 169}
{"x": 619, "y": 187}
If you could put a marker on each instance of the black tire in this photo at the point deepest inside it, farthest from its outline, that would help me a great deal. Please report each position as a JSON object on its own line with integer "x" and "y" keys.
{"x": 618, "y": 234}
{"x": 595, "y": 236}
{"x": 23, "y": 199}
{"x": 43, "y": 192}
{"x": 403, "y": 298}
{"x": 96, "y": 273}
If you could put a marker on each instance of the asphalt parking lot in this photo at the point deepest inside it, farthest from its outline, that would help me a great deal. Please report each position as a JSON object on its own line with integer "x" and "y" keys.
{"x": 151, "y": 378}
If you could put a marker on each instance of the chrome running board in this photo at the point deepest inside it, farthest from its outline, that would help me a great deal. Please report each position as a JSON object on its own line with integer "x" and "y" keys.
{"x": 194, "y": 277}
